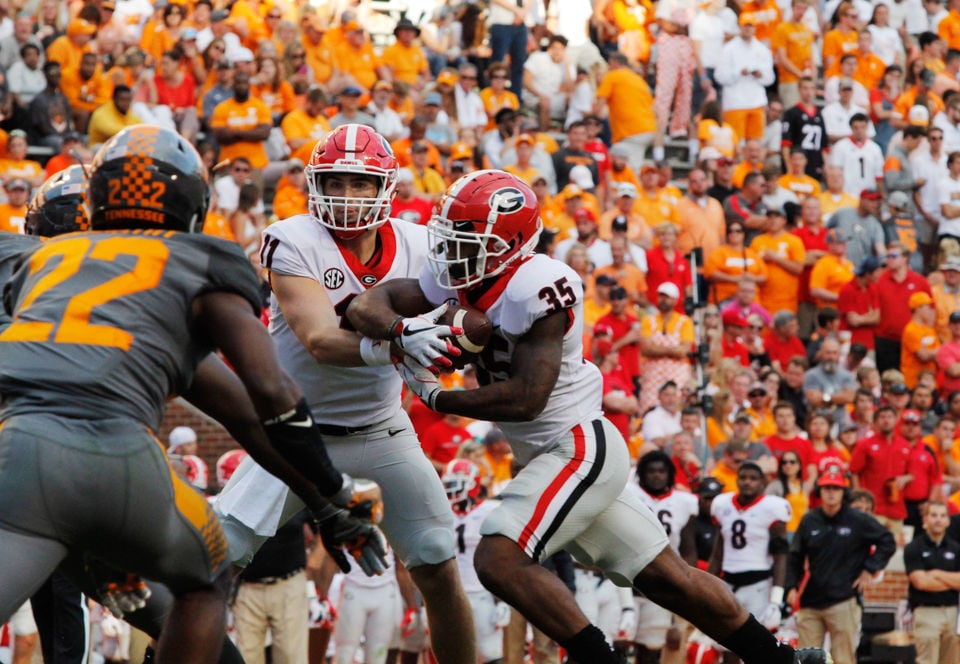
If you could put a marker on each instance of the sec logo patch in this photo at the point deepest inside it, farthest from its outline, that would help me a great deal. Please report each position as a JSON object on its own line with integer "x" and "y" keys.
{"x": 333, "y": 278}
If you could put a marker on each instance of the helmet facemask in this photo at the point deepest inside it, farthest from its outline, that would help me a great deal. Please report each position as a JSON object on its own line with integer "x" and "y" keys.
{"x": 349, "y": 215}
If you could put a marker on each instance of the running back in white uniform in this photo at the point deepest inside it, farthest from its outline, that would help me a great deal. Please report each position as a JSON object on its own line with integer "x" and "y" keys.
{"x": 539, "y": 287}
{"x": 370, "y": 609}
{"x": 746, "y": 530}
{"x": 375, "y": 439}
{"x": 674, "y": 509}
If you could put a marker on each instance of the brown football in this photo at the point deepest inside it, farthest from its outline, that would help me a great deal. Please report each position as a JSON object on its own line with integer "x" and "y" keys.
{"x": 477, "y": 329}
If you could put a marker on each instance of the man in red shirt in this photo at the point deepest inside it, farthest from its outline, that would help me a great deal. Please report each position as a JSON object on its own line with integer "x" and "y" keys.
{"x": 441, "y": 440}
{"x": 733, "y": 324}
{"x": 879, "y": 464}
{"x": 624, "y": 330}
{"x": 814, "y": 238}
{"x": 859, "y": 303}
{"x": 948, "y": 358}
{"x": 619, "y": 404}
{"x": 408, "y": 205}
{"x": 926, "y": 477}
{"x": 787, "y": 438}
{"x": 894, "y": 288}
{"x": 782, "y": 342}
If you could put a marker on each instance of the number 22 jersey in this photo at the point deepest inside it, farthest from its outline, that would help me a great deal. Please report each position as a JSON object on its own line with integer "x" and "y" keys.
{"x": 516, "y": 300}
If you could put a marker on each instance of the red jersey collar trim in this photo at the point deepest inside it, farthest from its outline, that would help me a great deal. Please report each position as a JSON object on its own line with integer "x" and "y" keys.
{"x": 742, "y": 507}
{"x": 381, "y": 262}
{"x": 485, "y": 297}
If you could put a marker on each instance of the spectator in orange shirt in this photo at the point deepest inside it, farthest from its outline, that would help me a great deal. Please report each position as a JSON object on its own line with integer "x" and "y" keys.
{"x": 68, "y": 49}
{"x": 357, "y": 60}
{"x": 16, "y": 165}
{"x": 14, "y": 212}
{"x": 731, "y": 263}
{"x": 86, "y": 88}
{"x": 752, "y": 162}
{"x": 291, "y": 197}
{"x": 67, "y": 156}
{"x": 784, "y": 255}
{"x": 919, "y": 343}
{"x": 870, "y": 67}
{"x": 832, "y": 271}
{"x": 405, "y": 59}
{"x": 637, "y": 230}
{"x": 840, "y": 40}
{"x": 496, "y": 96}
{"x": 242, "y": 124}
{"x": 304, "y": 126}
{"x": 627, "y": 275}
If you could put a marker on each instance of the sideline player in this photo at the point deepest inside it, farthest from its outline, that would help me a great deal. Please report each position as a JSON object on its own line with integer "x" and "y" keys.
{"x": 751, "y": 550}
{"x": 318, "y": 262}
{"x": 536, "y": 387}
{"x": 461, "y": 480}
{"x": 676, "y": 511}
{"x": 105, "y": 327}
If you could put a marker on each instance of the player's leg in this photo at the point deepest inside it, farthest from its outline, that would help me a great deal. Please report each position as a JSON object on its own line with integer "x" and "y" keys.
{"x": 382, "y": 621}
{"x": 24, "y": 634}
{"x": 548, "y": 504}
{"x": 60, "y": 611}
{"x": 351, "y": 621}
{"x": 194, "y": 629}
{"x": 252, "y": 620}
{"x": 419, "y": 525}
{"x": 289, "y": 607}
{"x": 27, "y": 562}
{"x": 489, "y": 636}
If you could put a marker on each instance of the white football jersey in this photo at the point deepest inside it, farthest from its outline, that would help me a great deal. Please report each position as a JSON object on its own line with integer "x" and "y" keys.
{"x": 538, "y": 287}
{"x": 301, "y": 247}
{"x": 674, "y": 510}
{"x": 467, "y": 529}
{"x": 746, "y": 530}
{"x": 862, "y": 164}
{"x": 357, "y": 577}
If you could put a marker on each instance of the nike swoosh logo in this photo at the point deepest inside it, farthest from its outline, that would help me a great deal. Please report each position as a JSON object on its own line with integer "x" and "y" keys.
{"x": 393, "y": 432}
{"x": 407, "y": 332}
{"x": 303, "y": 424}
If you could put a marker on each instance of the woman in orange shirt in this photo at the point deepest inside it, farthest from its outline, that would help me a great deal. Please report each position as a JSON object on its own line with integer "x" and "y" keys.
{"x": 270, "y": 86}
{"x": 731, "y": 263}
{"x": 790, "y": 484}
{"x": 496, "y": 96}
{"x": 164, "y": 37}
{"x": 719, "y": 429}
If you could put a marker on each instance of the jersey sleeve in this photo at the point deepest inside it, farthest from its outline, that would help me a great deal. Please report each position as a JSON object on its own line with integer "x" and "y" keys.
{"x": 432, "y": 290}
{"x": 540, "y": 288}
{"x": 229, "y": 270}
{"x": 780, "y": 510}
{"x": 280, "y": 252}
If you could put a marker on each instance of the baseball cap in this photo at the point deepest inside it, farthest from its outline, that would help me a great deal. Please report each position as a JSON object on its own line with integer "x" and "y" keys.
{"x": 188, "y": 34}
{"x": 899, "y": 388}
{"x": 898, "y": 199}
{"x": 433, "y": 99}
{"x": 619, "y": 224}
{"x": 867, "y": 265}
{"x": 352, "y": 26}
{"x": 748, "y": 18}
{"x": 79, "y": 26}
{"x": 709, "y": 152}
{"x": 846, "y": 84}
{"x": 870, "y": 194}
{"x": 460, "y": 150}
{"x": 351, "y": 91}
{"x": 836, "y": 235}
{"x": 219, "y": 15}
{"x": 918, "y": 115}
{"x": 418, "y": 146}
{"x": 243, "y": 55}
{"x": 17, "y": 183}
{"x": 669, "y": 289}
{"x": 570, "y": 191}
{"x": 955, "y": 317}
{"x": 108, "y": 4}
{"x": 626, "y": 189}
{"x": 757, "y": 388}
{"x": 742, "y": 416}
{"x": 733, "y": 318}
{"x": 618, "y": 293}
{"x": 72, "y": 136}
{"x": 405, "y": 175}
{"x": 910, "y": 415}
{"x": 447, "y": 77}
{"x": 382, "y": 85}
{"x": 710, "y": 487}
{"x": 584, "y": 214}
{"x": 776, "y": 210}
{"x": 526, "y": 138}
{"x": 582, "y": 177}
{"x": 181, "y": 436}
{"x": 620, "y": 150}
{"x": 605, "y": 280}
{"x": 918, "y": 300}
{"x": 832, "y": 479}
{"x": 648, "y": 167}
{"x": 952, "y": 263}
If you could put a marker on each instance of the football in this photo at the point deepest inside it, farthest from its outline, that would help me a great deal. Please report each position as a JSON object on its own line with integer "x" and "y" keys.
{"x": 477, "y": 329}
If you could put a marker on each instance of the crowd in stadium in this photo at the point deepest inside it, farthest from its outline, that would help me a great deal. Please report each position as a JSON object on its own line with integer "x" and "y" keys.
{"x": 761, "y": 199}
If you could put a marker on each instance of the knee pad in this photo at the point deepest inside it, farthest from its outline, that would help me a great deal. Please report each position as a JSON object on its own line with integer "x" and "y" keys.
{"x": 432, "y": 547}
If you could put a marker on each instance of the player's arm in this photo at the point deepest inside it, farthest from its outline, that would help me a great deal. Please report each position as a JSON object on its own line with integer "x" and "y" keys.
{"x": 779, "y": 547}
{"x": 688, "y": 542}
{"x": 715, "y": 564}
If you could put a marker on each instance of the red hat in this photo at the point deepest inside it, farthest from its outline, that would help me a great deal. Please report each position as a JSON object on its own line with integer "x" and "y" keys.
{"x": 832, "y": 479}
{"x": 733, "y": 318}
{"x": 584, "y": 214}
{"x": 911, "y": 415}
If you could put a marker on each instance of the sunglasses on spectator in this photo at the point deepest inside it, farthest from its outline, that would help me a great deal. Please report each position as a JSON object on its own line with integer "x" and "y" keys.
{"x": 792, "y": 462}
{"x": 734, "y": 230}
{"x": 935, "y": 138}
{"x": 500, "y": 76}
{"x": 894, "y": 254}
{"x": 756, "y": 327}
{"x": 274, "y": 15}
{"x": 241, "y": 169}
{"x": 467, "y": 77}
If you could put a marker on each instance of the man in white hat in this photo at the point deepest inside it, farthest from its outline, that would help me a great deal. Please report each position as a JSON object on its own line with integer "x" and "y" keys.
{"x": 666, "y": 338}
{"x": 183, "y": 440}
{"x": 638, "y": 232}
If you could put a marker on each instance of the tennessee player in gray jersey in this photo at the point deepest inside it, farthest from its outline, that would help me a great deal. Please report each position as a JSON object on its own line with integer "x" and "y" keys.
{"x": 105, "y": 327}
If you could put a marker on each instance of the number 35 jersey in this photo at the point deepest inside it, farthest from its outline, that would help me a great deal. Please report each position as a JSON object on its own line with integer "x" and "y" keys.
{"x": 538, "y": 287}
{"x": 103, "y": 322}
{"x": 746, "y": 530}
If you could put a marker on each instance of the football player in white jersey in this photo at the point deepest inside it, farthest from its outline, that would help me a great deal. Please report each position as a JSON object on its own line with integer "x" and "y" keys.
{"x": 676, "y": 510}
{"x": 461, "y": 480}
{"x": 317, "y": 263}
{"x": 534, "y": 384}
{"x": 752, "y": 548}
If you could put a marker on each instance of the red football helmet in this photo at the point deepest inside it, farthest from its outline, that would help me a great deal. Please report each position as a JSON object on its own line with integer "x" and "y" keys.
{"x": 485, "y": 221}
{"x": 461, "y": 480}
{"x": 196, "y": 470}
{"x": 357, "y": 149}
{"x": 227, "y": 464}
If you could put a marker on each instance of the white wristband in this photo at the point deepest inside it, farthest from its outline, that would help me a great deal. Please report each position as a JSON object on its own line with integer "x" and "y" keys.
{"x": 311, "y": 590}
{"x": 375, "y": 352}
{"x": 776, "y": 595}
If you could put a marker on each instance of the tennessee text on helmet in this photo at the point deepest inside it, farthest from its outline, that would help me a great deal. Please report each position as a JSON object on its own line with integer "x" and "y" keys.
{"x": 359, "y": 150}
{"x": 148, "y": 177}
{"x": 485, "y": 222}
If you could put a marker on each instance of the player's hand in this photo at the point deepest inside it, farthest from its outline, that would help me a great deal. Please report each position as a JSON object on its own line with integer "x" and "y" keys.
{"x": 425, "y": 341}
{"x": 501, "y": 615}
{"x": 125, "y": 596}
{"x": 343, "y": 533}
{"x": 420, "y": 380}
{"x": 770, "y": 617}
{"x": 410, "y": 621}
{"x": 627, "y": 628}
{"x": 323, "y": 614}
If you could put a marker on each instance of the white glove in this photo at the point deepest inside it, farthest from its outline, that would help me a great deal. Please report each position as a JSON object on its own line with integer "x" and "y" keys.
{"x": 627, "y": 628}
{"x": 322, "y": 613}
{"x": 420, "y": 380}
{"x": 501, "y": 615}
{"x": 770, "y": 617}
{"x": 425, "y": 341}
{"x": 375, "y": 352}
